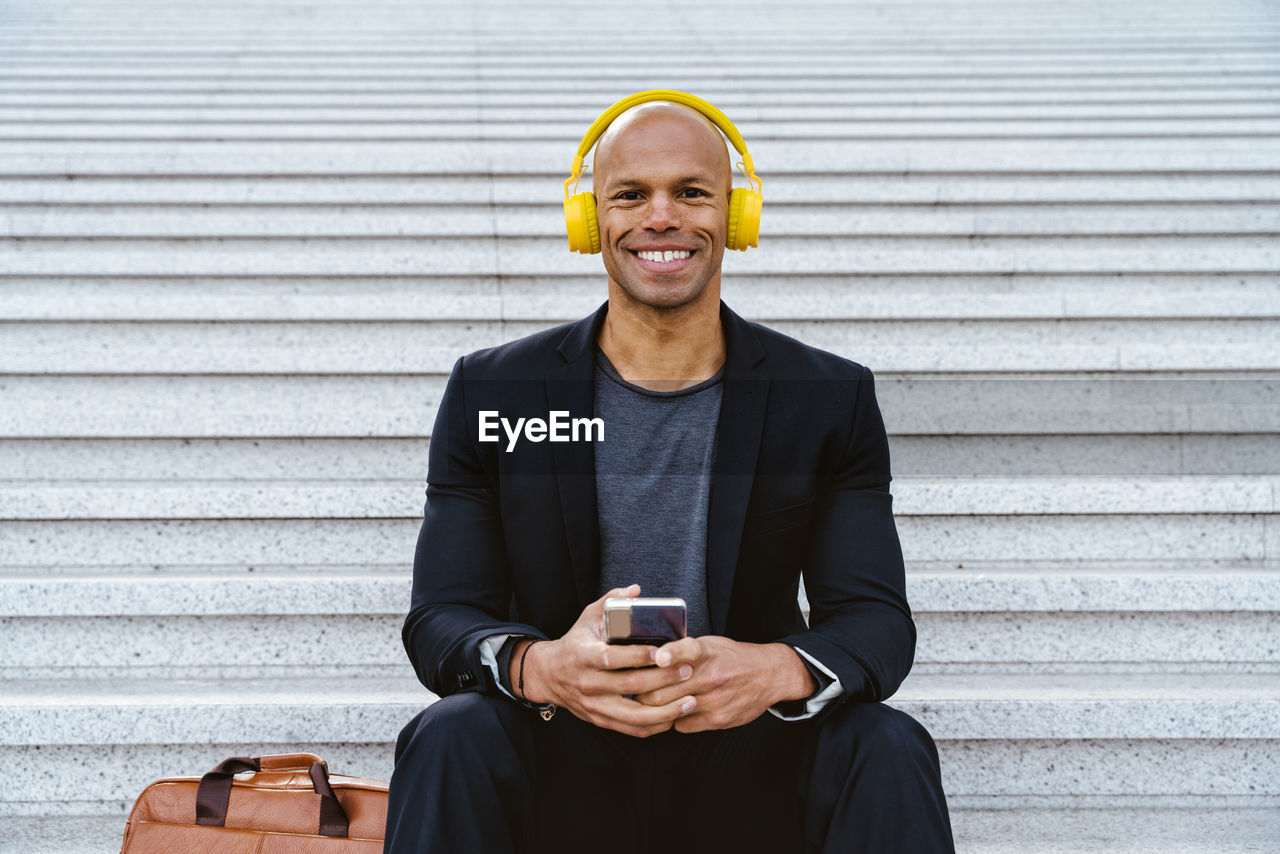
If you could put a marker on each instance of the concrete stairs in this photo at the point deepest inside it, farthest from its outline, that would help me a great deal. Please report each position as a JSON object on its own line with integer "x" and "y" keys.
{"x": 241, "y": 245}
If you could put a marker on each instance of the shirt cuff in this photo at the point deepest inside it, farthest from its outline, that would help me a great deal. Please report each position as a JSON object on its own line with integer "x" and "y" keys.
{"x": 489, "y": 649}
{"x": 491, "y": 656}
{"x": 829, "y": 688}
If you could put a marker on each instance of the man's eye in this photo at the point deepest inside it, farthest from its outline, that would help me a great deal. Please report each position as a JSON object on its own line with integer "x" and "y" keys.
{"x": 692, "y": 192}
{"x": 627, "y": 196}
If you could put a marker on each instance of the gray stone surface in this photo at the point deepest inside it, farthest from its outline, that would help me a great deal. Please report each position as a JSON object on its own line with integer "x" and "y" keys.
{"x": 951, "y": 541}
{"x": 1022, "y": 736}
{"x": 471, "y": 219}
{"x": 971, "y": 127}
{"x": 1048, "y": 638}
{"x": 100, "y": 780}
{"x": 1116, "y": 831}
{"x": 1059, "y": 769}
{"x": 354, "y": 591}
{"x": 249, "y": 645}
{"x": 538, "y": 190}
{"x": 242, "y": 244}
{"x": 1224, "y": 155}
{"x": 400, "y": 458}
{"x": 345, "y": 621}
{"x": 1030, "y": 830}
{"x": 433, "y": 347}
{"x": 1141, "y": 454}
{"x": 551, "y": 300}
{"x": 515, "y": 255}
{"x": 228, "y": 406}
{"x": 1102, "y": 587}
{"x": 77, "y": 546}
{"x": 195, "y": 459}
{"x": 396, "y": 405}
{"x": 304, "y": 590}
{"x": 937, "y": 541}
{"x": 955, "y": 497}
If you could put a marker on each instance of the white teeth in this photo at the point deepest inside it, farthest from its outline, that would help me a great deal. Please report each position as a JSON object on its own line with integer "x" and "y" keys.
{"x": 666, "y": 256}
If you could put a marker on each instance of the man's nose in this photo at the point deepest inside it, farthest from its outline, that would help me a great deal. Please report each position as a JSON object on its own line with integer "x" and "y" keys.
{"x": 661, "y": 213}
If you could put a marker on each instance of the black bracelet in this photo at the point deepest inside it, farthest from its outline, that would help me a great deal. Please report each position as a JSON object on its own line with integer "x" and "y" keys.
{"x": 548, "y": 710}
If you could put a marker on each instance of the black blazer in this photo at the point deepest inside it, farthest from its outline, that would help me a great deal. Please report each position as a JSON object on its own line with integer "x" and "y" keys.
{"x": 510, "y": 544}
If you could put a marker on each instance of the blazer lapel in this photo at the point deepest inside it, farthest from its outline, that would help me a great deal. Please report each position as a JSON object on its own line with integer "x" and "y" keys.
{"x": 571, "y": 389}
{"x": 740, "y": 429}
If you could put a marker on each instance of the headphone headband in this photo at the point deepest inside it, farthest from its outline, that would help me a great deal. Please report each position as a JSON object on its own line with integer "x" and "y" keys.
{"x": 707, "y": 109}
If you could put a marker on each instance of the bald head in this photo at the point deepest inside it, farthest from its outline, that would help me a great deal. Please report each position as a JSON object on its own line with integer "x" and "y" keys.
{"x": 653, "y": 132}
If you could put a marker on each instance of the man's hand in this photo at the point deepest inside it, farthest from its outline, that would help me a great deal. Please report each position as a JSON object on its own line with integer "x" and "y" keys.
{"x": 589, "y": 677}
{"x": 733, "y": 682}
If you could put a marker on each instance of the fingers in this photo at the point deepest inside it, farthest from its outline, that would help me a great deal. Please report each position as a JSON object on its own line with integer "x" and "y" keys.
{"x": 683, "y": 651}
{"x": 632, "y": 718}
{"x": 621, "y": 656}
{"x": 650, "y": 679}
{"x": 663, "y": 695}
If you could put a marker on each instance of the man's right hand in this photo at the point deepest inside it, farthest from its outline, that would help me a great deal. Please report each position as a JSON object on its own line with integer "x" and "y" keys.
{"x": 582, "y": 673}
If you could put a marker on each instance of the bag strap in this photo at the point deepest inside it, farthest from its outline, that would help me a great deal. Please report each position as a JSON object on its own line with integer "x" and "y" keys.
{"x": 213, "y": 795}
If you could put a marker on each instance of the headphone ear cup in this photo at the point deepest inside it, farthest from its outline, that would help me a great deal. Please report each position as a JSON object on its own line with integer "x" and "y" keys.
{"x": 581, "y": 225}
{"x": 744, "y": 219}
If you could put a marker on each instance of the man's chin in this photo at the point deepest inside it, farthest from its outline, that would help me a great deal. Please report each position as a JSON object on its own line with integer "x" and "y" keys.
{"x": 663, "y": 298}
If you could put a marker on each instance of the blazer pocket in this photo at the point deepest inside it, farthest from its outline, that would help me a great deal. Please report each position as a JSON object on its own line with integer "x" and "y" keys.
{"x": 779, "y": 520}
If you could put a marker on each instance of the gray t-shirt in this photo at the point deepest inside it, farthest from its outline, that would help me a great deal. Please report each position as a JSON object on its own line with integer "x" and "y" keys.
{"x": 653, "y": 487}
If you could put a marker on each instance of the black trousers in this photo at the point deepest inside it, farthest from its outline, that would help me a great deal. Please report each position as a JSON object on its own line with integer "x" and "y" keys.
{"x": 477, "y": 774}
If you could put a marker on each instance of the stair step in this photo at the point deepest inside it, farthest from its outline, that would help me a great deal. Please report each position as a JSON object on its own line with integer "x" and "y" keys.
{"x": 433, "y": 347}
{"x": 526, "y": 256}
{"x": 197, "y": 221}
{"x": 546, "y": 256}
{"x": 764, "y": 118}
{"x": 346, "y": 622}
{"x": 389, "y": 406}
{"x": 874, "y": 96}
{"x": 360, "y": 129}
{"x": 834, "y": 158}
{"x": 954, "y": 707}
{"x": 1055, "y": 738}
{"x": 1029, "y": 830}
{"x": 833, "y": 299}
{"x": 1169, "y": 830}
{"x": 785, "y": 189}
{"x": 960, "y": 521}
{"x": 381, "y": 458}
{"x": 304, "y": 590}
{"x": 389, "y": 499}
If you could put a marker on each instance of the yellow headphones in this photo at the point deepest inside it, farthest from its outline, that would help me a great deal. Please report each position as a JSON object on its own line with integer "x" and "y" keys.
{"x": 744, "y": 204}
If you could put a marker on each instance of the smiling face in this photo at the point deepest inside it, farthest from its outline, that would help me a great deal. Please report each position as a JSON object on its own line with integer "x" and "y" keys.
{"x": 662, "y": 181}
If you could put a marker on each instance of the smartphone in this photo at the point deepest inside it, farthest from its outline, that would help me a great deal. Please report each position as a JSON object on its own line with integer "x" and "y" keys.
{"x": 652, "y": 621}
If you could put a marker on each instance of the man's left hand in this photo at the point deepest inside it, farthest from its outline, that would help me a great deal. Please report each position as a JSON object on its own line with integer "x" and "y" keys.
{"x": 734, "y": 682}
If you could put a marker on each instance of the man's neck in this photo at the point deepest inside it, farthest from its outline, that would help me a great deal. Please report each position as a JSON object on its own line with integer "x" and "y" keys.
{"x": 664, "y": 349}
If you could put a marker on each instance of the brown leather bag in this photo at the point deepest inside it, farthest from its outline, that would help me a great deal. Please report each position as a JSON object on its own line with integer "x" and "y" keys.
{"x": 289, "y": 805}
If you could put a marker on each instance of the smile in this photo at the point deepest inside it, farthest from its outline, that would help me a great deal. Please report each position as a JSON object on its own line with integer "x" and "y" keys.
{"x": 665, "y": 257}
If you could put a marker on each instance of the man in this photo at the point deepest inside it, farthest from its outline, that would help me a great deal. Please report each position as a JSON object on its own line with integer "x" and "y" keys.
{"x": 732, "y": 460}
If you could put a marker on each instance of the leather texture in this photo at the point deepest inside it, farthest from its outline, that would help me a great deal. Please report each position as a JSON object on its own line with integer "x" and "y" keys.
{"x": 276, "y": 810}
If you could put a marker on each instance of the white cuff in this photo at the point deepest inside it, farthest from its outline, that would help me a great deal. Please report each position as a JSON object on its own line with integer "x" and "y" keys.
{"x": 489, "y": 649}
{"x": 818, "y": 701}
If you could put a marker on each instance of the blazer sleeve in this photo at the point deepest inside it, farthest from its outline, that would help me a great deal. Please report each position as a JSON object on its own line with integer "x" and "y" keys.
{"x": 461, "y": 576}
{"x": 860, "y": 625}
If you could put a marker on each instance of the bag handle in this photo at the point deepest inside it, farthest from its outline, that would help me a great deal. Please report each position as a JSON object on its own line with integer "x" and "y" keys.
{"x": 213, "y": 795}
